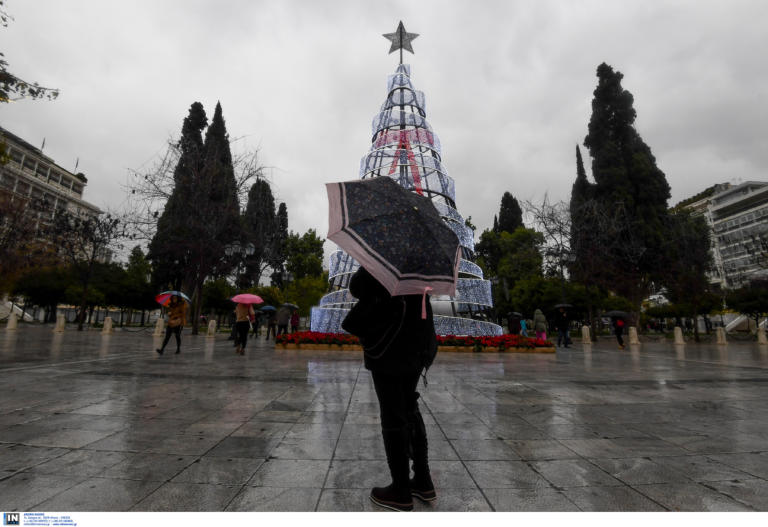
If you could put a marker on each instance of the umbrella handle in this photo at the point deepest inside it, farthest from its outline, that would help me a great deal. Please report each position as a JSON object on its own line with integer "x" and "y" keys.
{"x": 424, "y": 303}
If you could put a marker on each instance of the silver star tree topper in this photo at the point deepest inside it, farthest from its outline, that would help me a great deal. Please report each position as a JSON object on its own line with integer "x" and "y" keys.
{"x": 401, "y": 39}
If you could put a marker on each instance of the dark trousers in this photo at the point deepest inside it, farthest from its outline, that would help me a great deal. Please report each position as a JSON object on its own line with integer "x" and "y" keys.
{"x": 402, "y": 426}
{"x": 619, "y": 338}
{"x": 241, "y": 333}
{"x": 564, "y": 337}
{"x": 282, "y": 329}
{"x": 271, "y": 328}
{"x": 176, "y": 330}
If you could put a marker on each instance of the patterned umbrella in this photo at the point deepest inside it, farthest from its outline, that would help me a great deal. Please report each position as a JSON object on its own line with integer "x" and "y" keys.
{"x": 164, "y": 298}
{"x": 397, "y": 235}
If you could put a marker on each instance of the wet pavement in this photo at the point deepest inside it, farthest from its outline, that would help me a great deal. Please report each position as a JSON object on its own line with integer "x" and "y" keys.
{"x": 102, "y": 423}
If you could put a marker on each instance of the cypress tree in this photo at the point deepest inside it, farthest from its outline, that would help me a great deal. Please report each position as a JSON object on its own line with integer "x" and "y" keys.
{"x": 626, "y": 176}
{"x": 495, "y": 223}
{"x": 278, "y": 250}
{"x": 510, "y": 214}
{"x": 169, "y": 249}
{"x": 259, "y": 222}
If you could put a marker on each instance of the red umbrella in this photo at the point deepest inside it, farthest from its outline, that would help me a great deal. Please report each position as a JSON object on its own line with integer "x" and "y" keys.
{"x": 247, "y": 298}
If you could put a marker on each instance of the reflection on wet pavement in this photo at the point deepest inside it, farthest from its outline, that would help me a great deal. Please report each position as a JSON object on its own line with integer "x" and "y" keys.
{"x": 92, "y": 422}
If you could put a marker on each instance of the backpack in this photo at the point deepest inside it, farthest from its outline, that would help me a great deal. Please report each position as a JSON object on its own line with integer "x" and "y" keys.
{"x": 620, "y": 323}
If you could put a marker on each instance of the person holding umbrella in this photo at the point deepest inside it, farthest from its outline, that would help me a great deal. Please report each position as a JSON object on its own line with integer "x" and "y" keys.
{"x": 177, "y": 317}
{"x": 243, "y": 315}
{"x": 405, "y": 251}
{"x": 283, "y": 318}
{"x": 295, "y": 321}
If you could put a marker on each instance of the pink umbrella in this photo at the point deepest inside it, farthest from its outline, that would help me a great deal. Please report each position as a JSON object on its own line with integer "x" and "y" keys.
{"x": 247, "y": 298}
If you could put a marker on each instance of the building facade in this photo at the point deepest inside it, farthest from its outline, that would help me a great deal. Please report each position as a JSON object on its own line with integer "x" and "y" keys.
{"x": 27, "y": 173}
{"x": 738, "y": 217}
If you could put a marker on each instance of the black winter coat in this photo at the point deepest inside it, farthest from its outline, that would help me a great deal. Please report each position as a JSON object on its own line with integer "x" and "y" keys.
{"x": 413, "y": 347}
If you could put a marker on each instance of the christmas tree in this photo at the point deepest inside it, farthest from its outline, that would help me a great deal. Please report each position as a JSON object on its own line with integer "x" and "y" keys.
{"x": 405, "y": 148}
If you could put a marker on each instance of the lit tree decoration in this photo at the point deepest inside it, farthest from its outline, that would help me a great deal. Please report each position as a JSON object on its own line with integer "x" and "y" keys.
{"x": 405, "y": 148}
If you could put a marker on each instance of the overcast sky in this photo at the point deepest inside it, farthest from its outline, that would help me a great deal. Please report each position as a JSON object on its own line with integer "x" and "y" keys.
{"x": 508, "y": 87}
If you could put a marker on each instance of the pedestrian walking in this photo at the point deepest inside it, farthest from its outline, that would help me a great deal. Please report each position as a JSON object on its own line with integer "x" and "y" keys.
{"x": 523, "y": 327}
{"x": 256, "y": 323}
{"x": 540, "y": 324}
{"x": 562, "y": 323}
{"x": 399, "y": 343}
{"x": 618, "y": 330}
{"x": 272, "y": 325}
{"x": 283, "y": 318}
{"x": 295, "y": 321}
{"x": 177, "y": 317}
{"x": 243, "y": 312}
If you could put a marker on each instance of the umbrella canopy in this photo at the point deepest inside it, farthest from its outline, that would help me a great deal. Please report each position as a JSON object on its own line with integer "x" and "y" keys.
{"x": 247, "y": 298}
{"x": 558, "y": 306}
{"x": 292, "y": 306}
{"x": 164, "y": 298}
{"x": 397, "y": 235}
{"x": 616, "y": 313}
{"x": 267, "y": 308}
{"x": 515, "y": 314}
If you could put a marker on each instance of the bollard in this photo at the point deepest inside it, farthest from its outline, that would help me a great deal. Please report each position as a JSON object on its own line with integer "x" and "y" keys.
{"x": 159, "y": 327}
{"x": 720, "y": 332}
{"x": 633, "y": 336}
{"x": 211, "y": 329}
{"x": 61, "y": 324}
{"x": 760, "y": 336}
{"x": 679, "y": 335}
{"x": 13, "y": 322}
{"x": 107, "y": 329}
{"x": 585, "y": 337}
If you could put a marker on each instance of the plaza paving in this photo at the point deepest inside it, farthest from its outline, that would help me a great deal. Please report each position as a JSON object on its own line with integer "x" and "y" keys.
{"x": 102, "y": 423}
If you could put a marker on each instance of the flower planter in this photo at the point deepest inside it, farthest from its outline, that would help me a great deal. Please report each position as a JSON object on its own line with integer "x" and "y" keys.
{"x": 318, "y": 347}
{"x": 490, "y": 349}
{"x": 308, "y": 340}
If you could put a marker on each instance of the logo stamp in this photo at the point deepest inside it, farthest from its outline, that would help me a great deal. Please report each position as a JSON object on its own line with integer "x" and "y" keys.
{"x": 11, "y": 518}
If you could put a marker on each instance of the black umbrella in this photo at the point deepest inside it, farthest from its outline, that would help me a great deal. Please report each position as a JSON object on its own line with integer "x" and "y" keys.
{"x": 515, "y": 314}
{"x": 397, "y": 235}
{"x": 558, "y": 306}
{"x": 616, "y": 313}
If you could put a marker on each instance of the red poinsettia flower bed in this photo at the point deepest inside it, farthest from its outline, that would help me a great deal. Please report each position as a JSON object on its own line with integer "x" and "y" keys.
{"x": 502, "y": 341}
{"x": 311, "y": 337}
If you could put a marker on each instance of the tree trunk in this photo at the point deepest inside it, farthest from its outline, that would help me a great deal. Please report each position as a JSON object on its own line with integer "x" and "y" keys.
{"x": 142, "y": 317}
{"x": 696, "y": 327}
{"x": 197, "y": 306}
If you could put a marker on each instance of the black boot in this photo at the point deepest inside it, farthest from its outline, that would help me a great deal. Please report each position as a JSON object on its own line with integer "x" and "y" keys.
{"x": 421, "y": 485}
{"x": 397, "y": 495}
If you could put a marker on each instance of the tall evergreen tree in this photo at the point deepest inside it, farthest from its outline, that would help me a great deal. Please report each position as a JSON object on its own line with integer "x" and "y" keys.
{"x": 495, "y": 223}
{"x": 215, "y": 212}
{"x": 626, "y": 175}
{"x": 510, "y": 214}
{"x": 259, "y": 223}
{"x": 278, "y": 252}
{"x": 170, "y": 249}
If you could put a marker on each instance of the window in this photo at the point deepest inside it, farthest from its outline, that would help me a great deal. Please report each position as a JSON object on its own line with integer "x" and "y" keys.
{"x": 29, "y": 164}
{"x": 77, "y": 188}
{"x": 16, "y": 156}
{"x": 55, "y": 177}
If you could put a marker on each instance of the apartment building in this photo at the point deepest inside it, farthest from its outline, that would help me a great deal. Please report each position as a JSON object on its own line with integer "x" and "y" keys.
{"x": 27, "y": 173}
{"x": 738, "y": 216}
